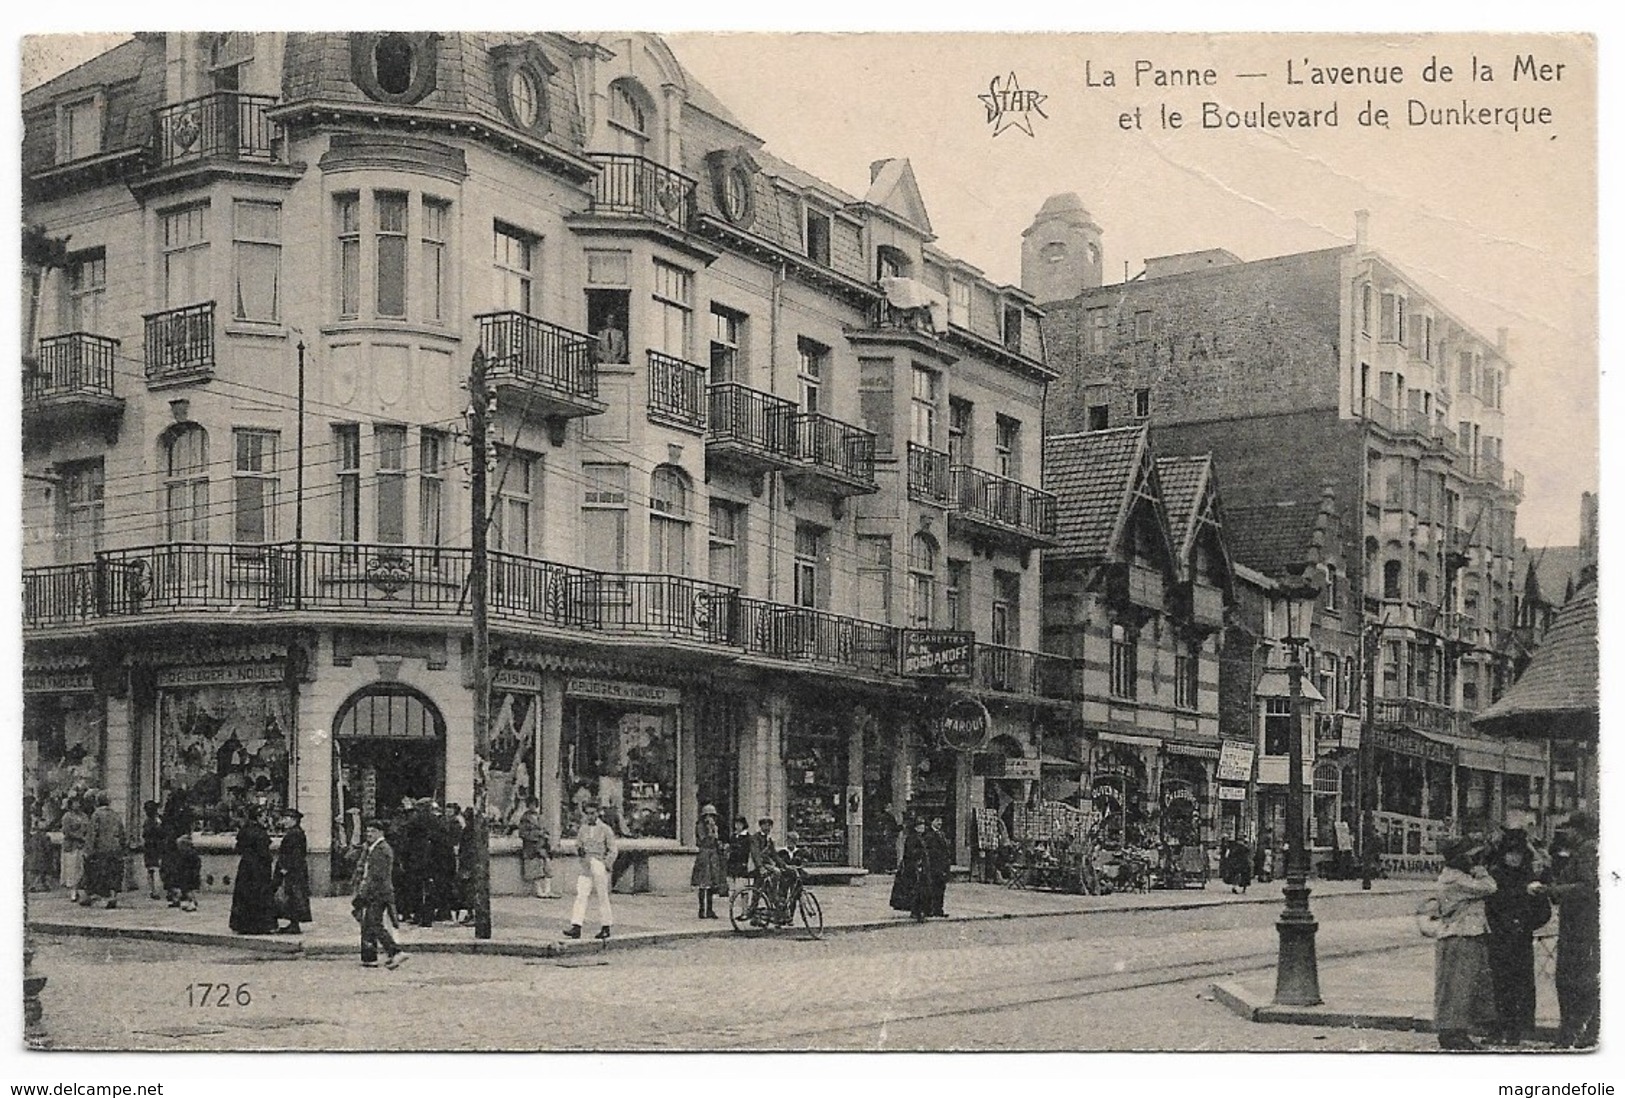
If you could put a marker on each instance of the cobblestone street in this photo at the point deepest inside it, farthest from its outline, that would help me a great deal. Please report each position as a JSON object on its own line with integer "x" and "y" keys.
{"x": 1117, "y": 980}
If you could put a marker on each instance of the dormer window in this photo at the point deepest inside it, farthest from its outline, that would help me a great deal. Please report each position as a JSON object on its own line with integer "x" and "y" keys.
{"x": 890, "y": 263}
{"x": 393, "y": 67}
{"x": 818, "y": 236}
{"x": 522, "y": 72}
{"x": 79, "y": 129}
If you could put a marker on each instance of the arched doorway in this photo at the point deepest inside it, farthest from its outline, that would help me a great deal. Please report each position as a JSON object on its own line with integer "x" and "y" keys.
{"x": 390, "y": 745}
{"x": 1184, "y": 801}
{"x": 1001, "y": 792}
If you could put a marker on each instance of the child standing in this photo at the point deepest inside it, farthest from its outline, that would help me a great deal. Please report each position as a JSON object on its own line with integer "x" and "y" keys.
{"x": 186, "y": 875}
{"x": 152, "y": 846}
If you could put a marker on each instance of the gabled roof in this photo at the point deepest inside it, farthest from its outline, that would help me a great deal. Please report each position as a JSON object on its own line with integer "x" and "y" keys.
{"x": 1556, "y": 696}
{"x": 1182, "y": 480}
{"x": 1555, "y": 570}
{"x": 1097, "y": 478}
{"x": 1274, "y": 538}
{"x": 1190, "y": 498}
{"x": 892, "y": 188}
{"x": 801, "y": 179}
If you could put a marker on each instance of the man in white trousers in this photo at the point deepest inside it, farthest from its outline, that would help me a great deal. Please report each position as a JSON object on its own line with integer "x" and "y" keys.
{"x": 595, "y": 854}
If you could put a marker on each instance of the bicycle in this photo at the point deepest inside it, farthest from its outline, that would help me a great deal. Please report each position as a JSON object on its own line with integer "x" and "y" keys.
{"x": 756, "y": 907}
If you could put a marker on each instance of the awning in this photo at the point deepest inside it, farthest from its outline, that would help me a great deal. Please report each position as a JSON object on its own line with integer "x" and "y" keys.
{"x": 1125, "y": 737}
{"x": 1055, "y": 762}
{"x": 1278, "y": 684}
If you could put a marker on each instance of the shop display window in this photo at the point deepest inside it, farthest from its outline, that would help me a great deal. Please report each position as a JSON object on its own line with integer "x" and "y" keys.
{"x": 62, "y": 747}
{"x": 515, "y": 743}
{"x": 226, "y": 748}
{"x": 815, "y": 792}
{"x": 626, "y": 759}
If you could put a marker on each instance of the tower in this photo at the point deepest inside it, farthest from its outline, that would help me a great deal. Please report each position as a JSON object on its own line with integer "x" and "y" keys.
{"x": 1060, "y": 251}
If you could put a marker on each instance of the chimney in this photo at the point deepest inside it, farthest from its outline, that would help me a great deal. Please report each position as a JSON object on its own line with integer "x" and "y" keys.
{"x": 1501, "y": 342}
{"x": 1362, "y": 229}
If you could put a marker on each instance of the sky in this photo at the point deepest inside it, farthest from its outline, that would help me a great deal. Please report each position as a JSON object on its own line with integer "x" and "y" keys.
{"x": 1500, "y": 226}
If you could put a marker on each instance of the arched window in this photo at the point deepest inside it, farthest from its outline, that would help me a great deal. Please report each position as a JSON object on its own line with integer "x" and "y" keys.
{"x": 629, "y": 116}
{"x": 669, "y": 521}
{"x": 389, "y": 711}
{"x": 922, "y": 580}
{"x": 186, "y": 483}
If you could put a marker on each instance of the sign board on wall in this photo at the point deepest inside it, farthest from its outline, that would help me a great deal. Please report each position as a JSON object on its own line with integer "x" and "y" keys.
{"x": 1232, "y": 793}
{"x": 1235, "y": 761}
{"x": 1272, "y": 770}
{"x": 614, "y": 690}
{"x": 937, "y": 653}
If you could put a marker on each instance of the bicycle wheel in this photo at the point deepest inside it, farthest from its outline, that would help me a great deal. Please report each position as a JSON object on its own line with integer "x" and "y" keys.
{"x": 812, "y": 914}
{"x": 740, "y": 907}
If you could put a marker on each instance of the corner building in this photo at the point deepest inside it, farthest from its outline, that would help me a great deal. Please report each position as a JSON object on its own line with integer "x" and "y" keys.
{"x": 766, "y": 460}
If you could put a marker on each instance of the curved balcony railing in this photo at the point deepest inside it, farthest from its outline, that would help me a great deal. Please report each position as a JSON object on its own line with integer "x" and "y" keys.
{"x": 633, "y": 186}
{"x": 223, "y": 125}
{"x": 530, "y": 351}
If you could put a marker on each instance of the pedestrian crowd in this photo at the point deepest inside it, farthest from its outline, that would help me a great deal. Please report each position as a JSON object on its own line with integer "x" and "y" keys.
{"x": 1490, "y": 899}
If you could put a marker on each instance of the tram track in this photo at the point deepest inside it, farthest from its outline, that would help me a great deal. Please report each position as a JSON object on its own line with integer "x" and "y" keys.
{"x": 1009, "y": 997}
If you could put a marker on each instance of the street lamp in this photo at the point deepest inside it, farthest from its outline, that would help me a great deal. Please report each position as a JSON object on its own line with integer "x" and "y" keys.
{"x": 1297, "y": 976}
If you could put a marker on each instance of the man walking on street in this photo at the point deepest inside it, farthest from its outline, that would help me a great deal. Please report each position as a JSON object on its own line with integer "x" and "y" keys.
{"x": 595, "y": 853}
{"x": 1579, "y": 941}
{"x": 374, "y": 896}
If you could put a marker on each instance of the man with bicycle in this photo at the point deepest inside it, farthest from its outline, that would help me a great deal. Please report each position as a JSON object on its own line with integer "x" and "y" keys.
{"x": 767, "y": 866}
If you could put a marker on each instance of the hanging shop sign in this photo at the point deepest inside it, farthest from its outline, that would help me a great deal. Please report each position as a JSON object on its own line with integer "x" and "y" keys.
{"x": 1026, "y": 769}
{"x": 1232, "y": 793}
{"x": 614, "y": 690}
{"x": 937, "y": 653}
{"x": 1235, "y": 761}
{"x": 965, "y": 724}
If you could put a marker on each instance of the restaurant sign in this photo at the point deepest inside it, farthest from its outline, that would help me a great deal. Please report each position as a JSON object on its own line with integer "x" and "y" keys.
{"x": 937, "y": 653}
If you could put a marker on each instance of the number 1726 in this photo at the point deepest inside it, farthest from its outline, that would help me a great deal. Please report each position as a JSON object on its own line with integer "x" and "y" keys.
{"x": 218, "y": 995}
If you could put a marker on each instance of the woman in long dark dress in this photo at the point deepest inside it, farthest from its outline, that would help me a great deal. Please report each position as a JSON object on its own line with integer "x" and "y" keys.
{"x": 253, "y": 897}
{"x": 177, "y": 821}
{"x": 911, "y": 888}
{"x": 1514, "y": 914}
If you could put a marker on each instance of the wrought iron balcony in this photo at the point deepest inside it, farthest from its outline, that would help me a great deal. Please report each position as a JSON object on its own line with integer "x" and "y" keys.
{"x": 1398, "y": 421}
{"x": 749, "y": 428}
{"x": 928, "y": 480}
{"x": 999, "y": 507}
{"x": 802, "y": 634}
{"x": 223, "y": 125}
{"x": 840, "y": 456}
{"x": 69, "y": 381}
{"x": 1422, "y": 716}
{"x": 179, "y": 345}
{"x": 1003, "y": 670}
{"x": 540, "y": 367}
{"x": 635, "y": 187}
{"x": 676, "y": 392}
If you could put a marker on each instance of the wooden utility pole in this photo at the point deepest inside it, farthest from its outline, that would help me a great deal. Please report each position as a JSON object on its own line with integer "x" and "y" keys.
{"x": 481, "y": 407}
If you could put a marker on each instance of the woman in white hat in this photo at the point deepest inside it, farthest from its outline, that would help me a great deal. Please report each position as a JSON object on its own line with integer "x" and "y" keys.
{"x": 710, "y": 874}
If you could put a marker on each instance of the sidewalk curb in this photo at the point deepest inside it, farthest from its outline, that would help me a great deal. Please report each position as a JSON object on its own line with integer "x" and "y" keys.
{"x": 568, "y": 948}
{"x": 1254, "y": 1007}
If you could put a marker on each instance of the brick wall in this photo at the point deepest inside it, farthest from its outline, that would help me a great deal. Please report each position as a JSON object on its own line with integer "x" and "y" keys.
{"x": 1219, "y": 342}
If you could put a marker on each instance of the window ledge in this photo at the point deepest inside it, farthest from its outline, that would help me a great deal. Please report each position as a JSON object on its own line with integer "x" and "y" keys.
{"x": 258, "y": 329}
{"x": 392, "y": 327}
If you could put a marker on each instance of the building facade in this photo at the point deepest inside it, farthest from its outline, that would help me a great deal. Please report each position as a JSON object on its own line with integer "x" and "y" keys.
{"x": 1330, "y": 372}
{"x": 1137, "y": 593}
{"x": 764, "y": 486}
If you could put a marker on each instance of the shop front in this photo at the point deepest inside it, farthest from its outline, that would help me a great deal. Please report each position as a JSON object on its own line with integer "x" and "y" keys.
{"x": 1117, "y": 786}
{"x": 390, "y": 751}
{"x": 64, "y": 737}
{"x": 816, "y": 757}
{"x": 620, "y": 748}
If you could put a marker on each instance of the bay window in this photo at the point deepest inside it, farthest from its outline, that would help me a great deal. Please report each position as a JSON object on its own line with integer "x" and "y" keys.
{"x": 256, "y": 236}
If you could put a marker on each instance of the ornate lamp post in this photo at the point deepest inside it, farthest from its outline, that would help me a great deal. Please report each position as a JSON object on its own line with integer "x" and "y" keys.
{"x": 1297, "y": 975}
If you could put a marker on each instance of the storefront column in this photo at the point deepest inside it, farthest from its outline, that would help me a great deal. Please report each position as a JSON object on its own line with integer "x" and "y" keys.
{"x": 551, "y": 791}
{"x": 118, "y": 759}
{"x": 778, "y": 806}
{"x": 688, "y": 784}
{"x": 962, "y": 806}
{"x": 853, "y": 805}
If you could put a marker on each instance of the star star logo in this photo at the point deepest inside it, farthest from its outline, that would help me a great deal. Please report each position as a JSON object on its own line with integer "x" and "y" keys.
{"x": 1010, "y": 106}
